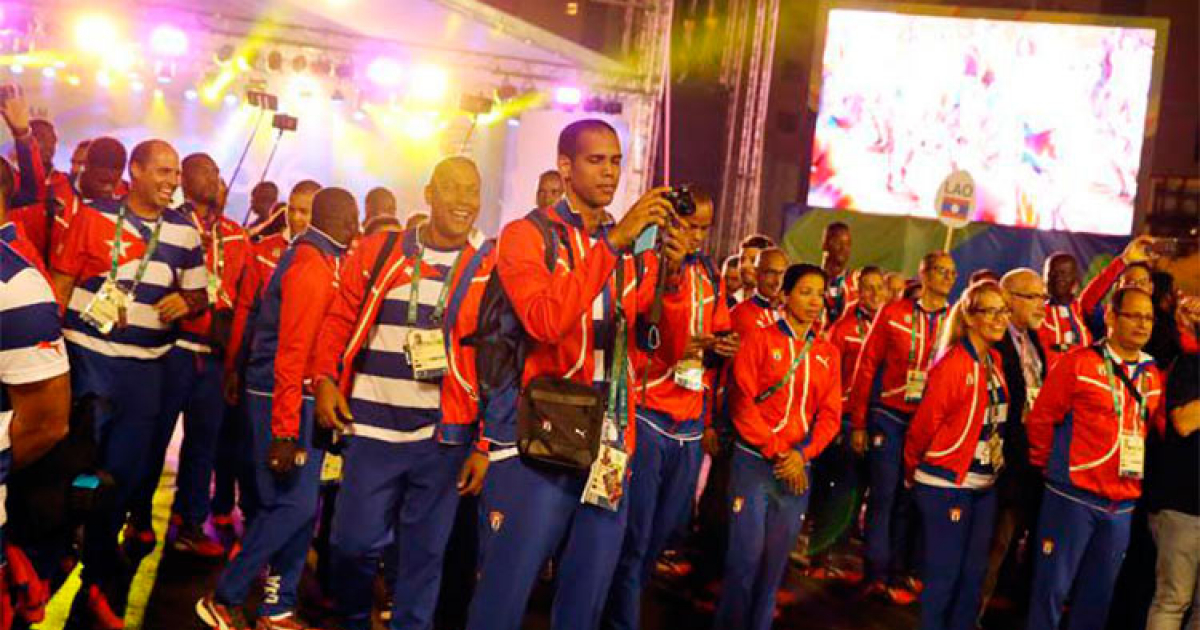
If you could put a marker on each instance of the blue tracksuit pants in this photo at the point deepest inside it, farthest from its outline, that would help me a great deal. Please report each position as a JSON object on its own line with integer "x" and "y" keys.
{"x": 192, "y": 387}
{"x": 958, "y": 526}
{"x": 282, "y": 527}
{"x": 125, "y": 430}
{"x": 666, "y": 466}
{"x": 406, "y": 488}
{"x": 889, "y": 505}
{"x": 764, "y": 522}
{"x": 528, "y": 512}
{"x": 1081, "y": 542}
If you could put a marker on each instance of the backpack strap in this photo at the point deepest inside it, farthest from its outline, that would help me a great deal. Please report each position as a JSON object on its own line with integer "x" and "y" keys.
{"x": 464, "y": 284}
{"x": 388, "y": 245}
{"x": 552, "y": 235}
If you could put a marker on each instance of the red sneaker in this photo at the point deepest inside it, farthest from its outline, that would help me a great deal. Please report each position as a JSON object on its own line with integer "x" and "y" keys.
{"x": 785, "y": 598}
{"x": 101, "y": 614}
{"x": 914, "y": 585}
{"x": 220, "y": 616}
{"x": 137, "y": 543}
{"x": 191, "y": 539}
{"x": 901, "y": 596}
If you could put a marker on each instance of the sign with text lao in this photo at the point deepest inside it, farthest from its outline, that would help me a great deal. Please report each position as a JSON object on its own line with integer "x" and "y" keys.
{"x": 956, "y": 199}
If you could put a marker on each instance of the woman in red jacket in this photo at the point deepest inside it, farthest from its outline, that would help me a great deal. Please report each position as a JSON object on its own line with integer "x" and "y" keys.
{"x": 952, "y": 454}
{"x": 786, "y": 402}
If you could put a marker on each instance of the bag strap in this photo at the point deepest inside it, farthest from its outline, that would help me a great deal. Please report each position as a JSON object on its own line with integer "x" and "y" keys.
{"x": 551, "y": 236}
{"x": 389, "y": 244}
{"x": 1112, "y": 365}
{"x": 464, "y": 284}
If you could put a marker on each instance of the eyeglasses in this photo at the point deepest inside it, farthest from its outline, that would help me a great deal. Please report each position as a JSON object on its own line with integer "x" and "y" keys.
{"x": 992, "y": 313}
{"x": 1040, "y": 297}
{"x": 945, "y": 272}
{"x": 1137, "y": 317}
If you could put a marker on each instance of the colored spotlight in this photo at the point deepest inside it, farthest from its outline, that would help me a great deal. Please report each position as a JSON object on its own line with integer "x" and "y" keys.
{"x": 566, "y": 95}
{"x": 359, "y": 115}
{"x": 384, "y": 71}
{"x": 137, "y": 86}
{"x": 428, "y": 84}
{"x": 231, "y": 100}
{"x": 95, "y": 32}
{"x": 169, "y": 41}
{"x": 191, "y": 95}
{"x": 49, "y": 72}
{"x": 73, "y": 80}
{"x": 17, "y": 68}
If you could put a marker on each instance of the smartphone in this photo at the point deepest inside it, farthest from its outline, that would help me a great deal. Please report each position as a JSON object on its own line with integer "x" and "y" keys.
{"x": 1165, "y": 247}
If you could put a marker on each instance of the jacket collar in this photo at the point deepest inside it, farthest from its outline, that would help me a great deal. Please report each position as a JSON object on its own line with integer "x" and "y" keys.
{"x": 322, "y": 241}
{"x": 411, "y": 246}
{"x": 564, "y": 213}
{"x": 759, "y": 300}
{"x": 786, "y": 328}
{"x": 8, "y": 232}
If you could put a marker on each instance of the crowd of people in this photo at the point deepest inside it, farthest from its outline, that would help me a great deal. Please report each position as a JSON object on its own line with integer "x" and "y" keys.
{"x": 599, "y": 399}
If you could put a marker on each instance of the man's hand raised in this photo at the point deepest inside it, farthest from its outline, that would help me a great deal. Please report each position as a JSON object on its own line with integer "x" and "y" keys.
{"x": 650, "y": 209}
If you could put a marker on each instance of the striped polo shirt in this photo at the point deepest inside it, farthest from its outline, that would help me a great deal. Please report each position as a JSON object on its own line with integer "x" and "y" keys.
{"x": 31, "y": 345}
{"x": 385, "y": 393}
{"x": 177, "y": 263}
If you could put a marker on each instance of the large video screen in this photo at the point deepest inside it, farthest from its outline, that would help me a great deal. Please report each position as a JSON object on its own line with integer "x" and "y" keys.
{"x": 1049, "y": 118}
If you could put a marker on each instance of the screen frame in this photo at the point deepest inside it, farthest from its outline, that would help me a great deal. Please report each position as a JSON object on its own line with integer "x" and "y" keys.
{"x": 1161, "y": 26}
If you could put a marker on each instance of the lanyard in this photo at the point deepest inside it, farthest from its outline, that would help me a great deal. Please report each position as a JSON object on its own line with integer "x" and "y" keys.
{"x": 770, "y": 391}
{"x": 1074, "y": 326}
{"x": 1031, "y": 363}
{"x": 218, "y": 241}
{"x": 859, "y": 325}
{"x": 937, "y": 325}
{"x": 414, "y": 294}
{"x": 994, "y": 393}
{"x": 116, "y": 251}
{"x": 1118, "y": 408}
{"x": 618, "y": 391}
{"x": 698, "y": 302}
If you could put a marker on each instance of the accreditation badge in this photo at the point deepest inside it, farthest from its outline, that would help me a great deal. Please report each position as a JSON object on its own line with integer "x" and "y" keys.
{"x": 1031, "y": 394}
{"x": 331, "y": 468}
{"x": 606, "y": 482}
{"x": 214, "y": 290}
{"x": 108, "y": 308}
{"x": 1133, "y": 456}
{"x": 689, "y": 374}
{"x": 426, "y": 350}
{"x": 995, "y": 449}
{"x": 914, "y": 386}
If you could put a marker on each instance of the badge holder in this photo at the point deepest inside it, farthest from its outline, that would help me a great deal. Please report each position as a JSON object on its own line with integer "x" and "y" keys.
{"x": 914, "y": 386}
{"x": 426, "y": 350}
{"x": 107, "y": 309}
{"x": 689, "y": 374}
{"x": 1133, "y": 456}
{"x": 605, "y": 485}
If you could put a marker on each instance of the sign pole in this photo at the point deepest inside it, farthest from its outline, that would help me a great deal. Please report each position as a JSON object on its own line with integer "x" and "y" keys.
{"x": 949, "y": 239}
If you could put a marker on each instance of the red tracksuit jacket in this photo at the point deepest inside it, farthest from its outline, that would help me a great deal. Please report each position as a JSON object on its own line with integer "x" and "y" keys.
{"x": 1070, "y": 320}
{"x": 555, "y": 309}
{"x": 944, "y": 433}
{"x": 1073, "y": 430}
{"x": 237, "y": 257}
{"x": 308, "y": 287}
{"x": 266, "y": 254}
{"x": 752, "y": 313}
{"x": 807, "y": 410}
{"x": 353, "y": 312}
{"x": 848, "y": 334}
{"x": 887, "y": 350}
{"x": 679, "y": 324}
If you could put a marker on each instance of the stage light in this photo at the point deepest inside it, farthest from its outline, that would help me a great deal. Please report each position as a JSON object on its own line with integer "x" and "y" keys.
{"x": 73, "y": 80}
{"x": 103, "y": 79}
{"x": 94, "y": 32}
{"x": 322, "y": 67}
{"x": 384, "y": 71}
{"x": 299, "y": 63}
{"x": 428, "y": 84}
{"x": 242, "y": 64}
{"x": 168, "y": 41}
{"x": 49, "y": 72}
{"x": 137, "y": 86}
{"x": 191, "y": 94}
{"x": 593, "y": 104}
{"x": 158, "y": 94}
{"x": 613, "y": 108}
{"x": 506, "y": 91}
{"x": 120, "y": 58}
{"x": 360, "y": 115}
{"x": 513, "y": 122}
{"x": 231, "y": 100}
{"x": 225, "y": 53}
{"x": 344, "y": 70}
{"x": 566, "y": 95}
{"x": 164, "y": 72}
{"x": 275, "y": 61}
{"x": 17, "y": 68}
{"x": 419, "y": 126}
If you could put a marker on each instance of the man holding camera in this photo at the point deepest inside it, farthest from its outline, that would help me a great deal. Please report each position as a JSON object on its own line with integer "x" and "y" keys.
{"x": 672, "y": 416}
{"x": 579, "y": 317}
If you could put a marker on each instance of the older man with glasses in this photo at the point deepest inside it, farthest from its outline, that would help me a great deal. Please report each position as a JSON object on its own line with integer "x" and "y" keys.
{"x": 1019, "y": 485}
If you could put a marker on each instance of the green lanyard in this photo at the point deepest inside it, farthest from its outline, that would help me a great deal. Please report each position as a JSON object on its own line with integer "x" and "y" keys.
{"x": 858, "y": 324}
{"x": 989, "y": 418}
{"x": 618, "y": 391}
{"x": 414, "y": 294}
{"x": 116, "y": 251}
{"x": 1116, "y": 400}
{"x": 698, "y": 295}
{"x": 791, "y": 370}
{"x": 218, "y": 243}
{"x": 912, "y": 349}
